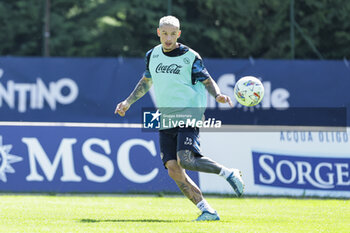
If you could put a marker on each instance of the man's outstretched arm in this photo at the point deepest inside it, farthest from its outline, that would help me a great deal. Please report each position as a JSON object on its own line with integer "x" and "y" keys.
{"x": 214, "y": 90}
{"x": 140, "y": 90}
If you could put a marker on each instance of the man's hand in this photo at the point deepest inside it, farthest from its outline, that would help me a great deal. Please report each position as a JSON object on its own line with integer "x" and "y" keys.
{"x": 224, "y": 99}
{"x": 140, "y": 90}
{"x": 213, "y": 89}
{"x": 122, "y": 107}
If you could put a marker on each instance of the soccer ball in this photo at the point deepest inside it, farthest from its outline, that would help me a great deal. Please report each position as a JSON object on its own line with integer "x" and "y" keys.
{"x": 249, "y": 91}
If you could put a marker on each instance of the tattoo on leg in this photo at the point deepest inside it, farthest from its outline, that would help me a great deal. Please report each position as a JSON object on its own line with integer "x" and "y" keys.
{"x": 190, "y": 190}
{"x": 188, "y": 161}
{"x": 186, "y": 158}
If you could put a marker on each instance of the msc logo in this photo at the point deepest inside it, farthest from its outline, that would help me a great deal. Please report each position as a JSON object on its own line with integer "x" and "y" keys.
{"x": 44, "y": 166}
{"x": 6, "y": 159}
{"x": 301, "y": 172}
{"x": 151, "y": 119}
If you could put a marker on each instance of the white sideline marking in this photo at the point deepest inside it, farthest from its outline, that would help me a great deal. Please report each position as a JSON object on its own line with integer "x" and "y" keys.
{"x": 224, "y": 128}
{"x": 70, "y": 124}
{"x": 273, "y": 128}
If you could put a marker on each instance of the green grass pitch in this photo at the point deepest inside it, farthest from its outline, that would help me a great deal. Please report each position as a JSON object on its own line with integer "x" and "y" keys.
{"x": 79, "y": 213}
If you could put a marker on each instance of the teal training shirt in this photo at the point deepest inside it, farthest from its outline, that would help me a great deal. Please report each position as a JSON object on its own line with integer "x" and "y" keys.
{"x": 172, "y": 80}
{"x": 175, "y": 79}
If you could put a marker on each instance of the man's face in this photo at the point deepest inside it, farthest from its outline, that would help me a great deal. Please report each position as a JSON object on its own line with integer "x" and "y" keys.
{"x": 168, "y": 35}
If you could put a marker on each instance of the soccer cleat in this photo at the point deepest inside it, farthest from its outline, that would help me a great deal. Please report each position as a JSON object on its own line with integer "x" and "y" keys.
{"x": 235, "y": 180}
{"x": 207, "y": 216}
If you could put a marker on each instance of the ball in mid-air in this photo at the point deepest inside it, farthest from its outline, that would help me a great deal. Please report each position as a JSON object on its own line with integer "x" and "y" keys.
{"x": 249, "y": 91}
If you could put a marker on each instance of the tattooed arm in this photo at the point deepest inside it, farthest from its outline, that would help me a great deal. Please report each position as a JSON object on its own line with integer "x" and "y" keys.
{"x": 140, "y": 90}
{"x": 214, "y": 91}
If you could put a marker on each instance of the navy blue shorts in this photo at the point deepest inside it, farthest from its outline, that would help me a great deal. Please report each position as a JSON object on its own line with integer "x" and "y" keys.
{"x": 175, "y": 139}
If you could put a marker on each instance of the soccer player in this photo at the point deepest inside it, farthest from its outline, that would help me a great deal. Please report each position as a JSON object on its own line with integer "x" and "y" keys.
{"x": 181, "y": 80}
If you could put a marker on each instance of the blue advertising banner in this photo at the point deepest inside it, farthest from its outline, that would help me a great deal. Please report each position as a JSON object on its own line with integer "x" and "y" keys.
{"x": 301, "y": 172}
{"x": 66, "y": 89}
{"x": 81, "y": 159}
{"x": 88, "y": 89}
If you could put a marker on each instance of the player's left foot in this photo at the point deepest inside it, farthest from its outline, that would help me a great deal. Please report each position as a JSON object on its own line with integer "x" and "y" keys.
{"x": 235, "y": 180}
{"x": 207, "y": 216}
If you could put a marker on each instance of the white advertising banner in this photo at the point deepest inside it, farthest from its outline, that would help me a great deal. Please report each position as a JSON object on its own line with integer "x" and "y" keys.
{"x": 296, "y": 163}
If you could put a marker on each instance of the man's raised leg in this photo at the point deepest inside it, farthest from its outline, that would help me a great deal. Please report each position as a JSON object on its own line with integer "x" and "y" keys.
{"x": 188, "y": 160}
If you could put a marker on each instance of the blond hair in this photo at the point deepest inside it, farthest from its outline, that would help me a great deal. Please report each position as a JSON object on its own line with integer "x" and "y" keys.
{"x": 169, "y": 20}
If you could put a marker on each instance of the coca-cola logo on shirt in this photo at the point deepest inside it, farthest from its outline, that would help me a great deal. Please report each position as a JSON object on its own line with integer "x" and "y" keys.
{"x": 170, "y": 69}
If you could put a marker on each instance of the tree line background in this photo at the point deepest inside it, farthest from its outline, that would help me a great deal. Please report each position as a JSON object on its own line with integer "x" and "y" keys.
{"x": 214, "y": 28}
